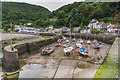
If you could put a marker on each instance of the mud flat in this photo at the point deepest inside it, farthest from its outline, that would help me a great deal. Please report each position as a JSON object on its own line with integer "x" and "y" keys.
{"x": 56, "y": 65}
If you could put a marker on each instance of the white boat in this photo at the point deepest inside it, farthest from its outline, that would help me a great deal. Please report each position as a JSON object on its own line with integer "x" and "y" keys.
{"x": 67, "y": 41}
{"x": 59, "y": 40}
{"x": 81, "y": 41}
{"x": 78, "y": 44}
{"x": 88, "y": 41}
{"x": 66, "y": 45}
{"x": 95, "y": 41}
{"x": 68, "y": 50}
{"x": 74, "y": 39}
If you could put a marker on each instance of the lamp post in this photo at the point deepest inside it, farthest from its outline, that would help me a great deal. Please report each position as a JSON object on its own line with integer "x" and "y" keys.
{"x": 11, "y": 36}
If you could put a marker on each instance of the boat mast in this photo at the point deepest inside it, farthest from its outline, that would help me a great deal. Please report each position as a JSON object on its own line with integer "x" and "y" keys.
{"x": 70, "y": 33}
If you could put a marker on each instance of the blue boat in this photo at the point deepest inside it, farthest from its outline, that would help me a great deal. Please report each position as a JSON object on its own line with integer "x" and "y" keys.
{"x": 98, "y": 45}
{"x": 83, "y": 51}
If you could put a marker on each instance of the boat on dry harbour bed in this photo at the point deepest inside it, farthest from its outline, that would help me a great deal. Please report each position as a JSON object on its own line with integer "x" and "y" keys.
{"x": 47, "y": 51}
{"x": 83, "y": 51}
{"x": 68, "y": 50}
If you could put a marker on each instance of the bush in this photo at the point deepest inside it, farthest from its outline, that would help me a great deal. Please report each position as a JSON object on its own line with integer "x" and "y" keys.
{"x": 94, "y": 31}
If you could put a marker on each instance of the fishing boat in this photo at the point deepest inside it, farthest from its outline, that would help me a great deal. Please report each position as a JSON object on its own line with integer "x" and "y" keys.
{"x": 100, "y": 42}
{"x": 74, "y": 40}
{"x": 58, "y": 45}
{"x": 95, "y": 41}
{"x": 78, "y": 44}
{"x": 96, "y": 46}
{"x": 47, "y": 51}
{"x": 88, "y": 41}
{"x": 68, "y": 50}
{"x": 66, "y": 45}
{"x": 83, "y": 51}
{"x": 67, "y": 41}
{"x": 59, "y": 40}
{"x": 81, "y": 41}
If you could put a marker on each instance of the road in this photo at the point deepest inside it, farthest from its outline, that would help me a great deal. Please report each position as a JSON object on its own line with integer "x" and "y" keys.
{"x": 7, "y": 36}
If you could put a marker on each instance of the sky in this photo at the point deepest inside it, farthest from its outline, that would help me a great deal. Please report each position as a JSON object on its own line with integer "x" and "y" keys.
{"x": 49, "y": 4}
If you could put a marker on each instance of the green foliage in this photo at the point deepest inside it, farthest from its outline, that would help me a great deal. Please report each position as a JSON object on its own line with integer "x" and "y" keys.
{"x": 94, "y": 31}
{"x": 22, "y": 13}
{"x": 82, "y": 12}
{"x": 79, "y": 14}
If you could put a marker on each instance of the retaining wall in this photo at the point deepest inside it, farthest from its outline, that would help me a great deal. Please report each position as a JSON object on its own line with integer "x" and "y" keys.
{"x": 109, "y": 39}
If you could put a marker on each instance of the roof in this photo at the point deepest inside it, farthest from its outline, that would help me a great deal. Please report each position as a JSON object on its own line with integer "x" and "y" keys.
{"x": 93, "y": 21}
{"x": 57, "y": 30}
{"x": 111, "y": 26}
{"x": 100, "y": 23}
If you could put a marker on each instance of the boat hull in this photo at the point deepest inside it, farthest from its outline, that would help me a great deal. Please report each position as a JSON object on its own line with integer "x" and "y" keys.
{"x": 83, "y": 53}
{"x": 44, "y": 52}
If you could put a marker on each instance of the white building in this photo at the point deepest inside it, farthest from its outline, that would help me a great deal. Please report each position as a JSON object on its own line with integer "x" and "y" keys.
{"x": 29, "y": 23}
{"x": 53, "y": 19}
{"x": 95, "y": 24}
{"x": 113, "y": 29}
{"x": 85, "y": 31}
{"x": 23, "y": 29}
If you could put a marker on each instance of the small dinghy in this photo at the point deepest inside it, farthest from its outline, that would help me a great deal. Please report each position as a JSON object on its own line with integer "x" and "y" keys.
{"x": 47, "y": 51}
{"x": 83, "y": 51}
{"x": 67, "y": 41}
{"x": 74, "y": 40}
{"x": 100, "y": 43}
{"x": 78, "y": 44}
{"x": 81, "y": 41}
{"x": 68, "y": 50}
{"x": 95, "y": 41}
{"x": 96, "y": 46}
{"x": 88, "y": 41}
{"x": 58, "y": 45}
{"x": 66, "y": 45}
{"x": 59, "y": 40}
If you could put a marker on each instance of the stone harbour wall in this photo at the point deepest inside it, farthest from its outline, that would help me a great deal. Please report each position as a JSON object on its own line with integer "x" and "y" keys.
{"x": 109, "y": 39}
{"x": 10, "y": 62}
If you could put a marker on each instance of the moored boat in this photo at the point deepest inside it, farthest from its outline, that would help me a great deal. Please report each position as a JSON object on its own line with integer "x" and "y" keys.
{"x": 47, "y": 51}
{"x": 68, "y": 50}
{"x": 83, "y": 51}
{"x": 58, "y": 45}
{"x": 59, "y": 40}
{"x": 78, "y": 44}
{"x": 96, "y": 46}
{"x": 88, "y": 41}
{"x": 95, "y": 41}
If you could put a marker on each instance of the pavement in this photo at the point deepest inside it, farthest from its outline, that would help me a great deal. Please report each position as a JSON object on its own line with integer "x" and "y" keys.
{"x": 114, "y": 50}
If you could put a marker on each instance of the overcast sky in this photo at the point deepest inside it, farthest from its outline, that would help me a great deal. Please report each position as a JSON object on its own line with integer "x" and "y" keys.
{"x": 49, "y": 4}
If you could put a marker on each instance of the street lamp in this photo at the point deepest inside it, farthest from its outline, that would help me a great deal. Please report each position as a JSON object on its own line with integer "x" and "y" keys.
{"x": 11, "y": 35}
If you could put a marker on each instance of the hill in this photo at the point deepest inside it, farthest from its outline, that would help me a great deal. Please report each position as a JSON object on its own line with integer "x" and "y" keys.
{"x": 82, "y": 12}
{"x": 22, "y": 13}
